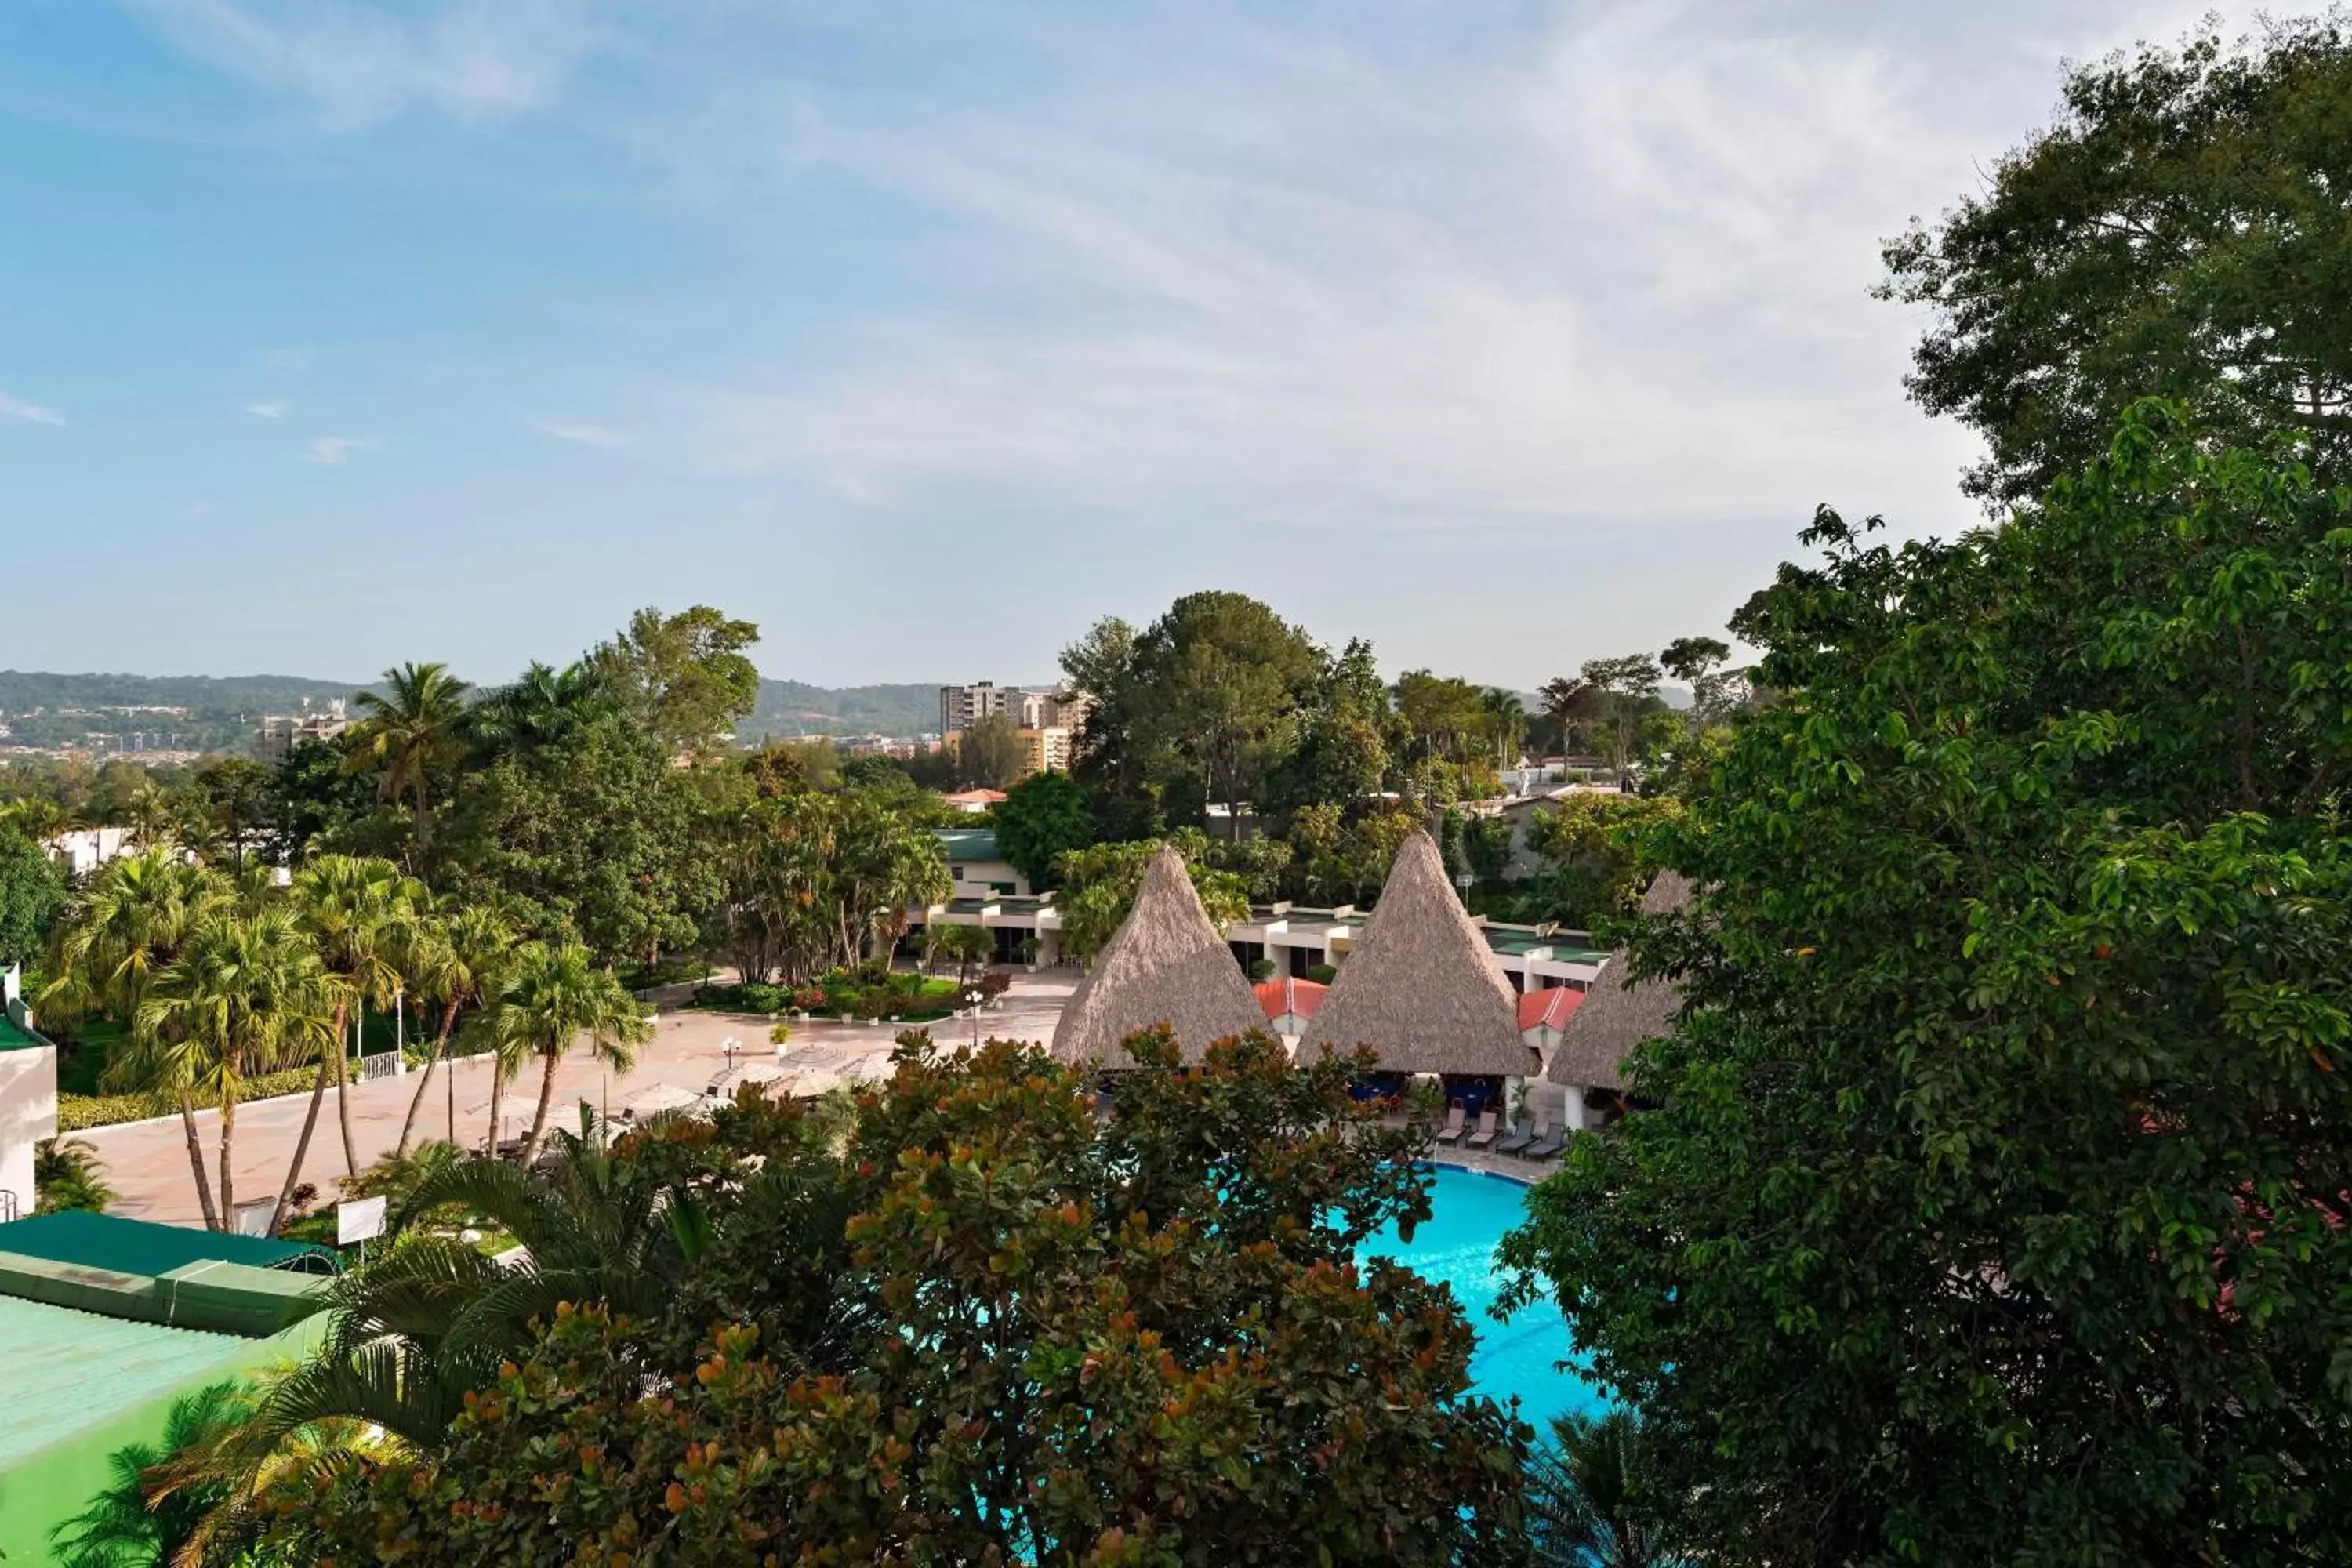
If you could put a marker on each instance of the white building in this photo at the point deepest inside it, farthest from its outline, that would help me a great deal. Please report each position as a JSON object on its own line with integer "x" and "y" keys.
{"x": 28, "y": 1099}
{"x": 85, "y": 850}
{"x": 277, "y": 735}
{"x": 960, "y": 706}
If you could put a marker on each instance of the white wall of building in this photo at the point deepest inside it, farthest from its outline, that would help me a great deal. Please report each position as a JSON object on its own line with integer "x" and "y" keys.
{"x": 85, "y": 850}
{"x": 28, "y": 1115}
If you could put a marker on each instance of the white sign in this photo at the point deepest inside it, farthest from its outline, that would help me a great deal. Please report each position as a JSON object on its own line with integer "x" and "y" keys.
{"x": 357, "y": 1219}
{"x": 252, "y": 1217}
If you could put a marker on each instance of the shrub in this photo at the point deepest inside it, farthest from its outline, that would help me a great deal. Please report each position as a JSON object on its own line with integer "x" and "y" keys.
{"x": 1322, "y": 973}
{"x": 80, "y": 1113}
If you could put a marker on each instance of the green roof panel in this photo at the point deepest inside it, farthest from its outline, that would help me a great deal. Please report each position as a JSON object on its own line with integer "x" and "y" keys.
{"x": 139, "y": 1247}
{"x": 67, "y": 1371}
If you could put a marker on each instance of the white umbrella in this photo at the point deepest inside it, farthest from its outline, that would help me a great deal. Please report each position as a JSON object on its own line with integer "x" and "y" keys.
{"x": 660, "y": 1097}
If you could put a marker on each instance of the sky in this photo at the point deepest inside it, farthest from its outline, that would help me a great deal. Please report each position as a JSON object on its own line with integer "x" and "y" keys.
{"x": 1506, "y": 335}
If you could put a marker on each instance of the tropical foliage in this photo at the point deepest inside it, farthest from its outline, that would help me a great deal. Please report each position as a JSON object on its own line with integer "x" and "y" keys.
{"x": 976, "y": 1330}
{"x": 1993, "y": 1208}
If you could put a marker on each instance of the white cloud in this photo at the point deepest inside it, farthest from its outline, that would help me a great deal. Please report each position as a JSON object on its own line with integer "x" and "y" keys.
{"x": 269, "y": 410}
{"x": 334, "y": 450}
{"x": 31, "y": 412}
{"x": 577, "y": 434}
{"x": 356, "y": 64}
{"x": 1618, "y": 277}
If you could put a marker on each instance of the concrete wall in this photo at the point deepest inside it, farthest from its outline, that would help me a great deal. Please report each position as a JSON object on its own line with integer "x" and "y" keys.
{"x": 28, "y": 1114}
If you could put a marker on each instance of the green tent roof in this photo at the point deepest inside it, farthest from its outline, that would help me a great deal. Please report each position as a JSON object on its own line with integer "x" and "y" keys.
{"x": 138, "y": 1247}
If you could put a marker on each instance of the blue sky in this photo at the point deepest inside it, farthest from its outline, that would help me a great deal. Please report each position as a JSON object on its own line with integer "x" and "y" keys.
{"x": 1504, "y": 333}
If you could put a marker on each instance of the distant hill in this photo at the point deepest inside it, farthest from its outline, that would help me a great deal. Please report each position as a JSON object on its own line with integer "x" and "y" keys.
{"x": 21, "y": 690}
{"x": 42, "y": 709}
{"x": 796, "y": 707}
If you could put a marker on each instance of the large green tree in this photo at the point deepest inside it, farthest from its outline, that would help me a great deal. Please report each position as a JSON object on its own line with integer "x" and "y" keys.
{"x": 246, "y": 993}
{"x": 684, "y": 678}
{"x": 1100, "y": 884}
{"x": 32, "y": 890}
{"x": 118, "y": 932}
{"x": 410, "y": 741}
{"x": 1064, "y": 1343}
{"x": 989, "y": 753}
{"x": 1995, "y": 1204}
{"x": 1040, "y": 818}
{"x": 2182, "y": 228}
{"x": 1195, "y": 709}
{"x": 594, "y": 832}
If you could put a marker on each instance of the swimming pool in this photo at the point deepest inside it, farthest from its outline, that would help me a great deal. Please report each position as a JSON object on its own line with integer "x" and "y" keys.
{"x": 1468, "y": 1214}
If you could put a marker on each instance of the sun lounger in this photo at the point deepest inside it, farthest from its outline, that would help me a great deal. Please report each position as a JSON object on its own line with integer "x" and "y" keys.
{"x": 1548, "y": 1148}
{"x": 1452, "y": 1132}
{"x": 1489, "y": 1127}
{"x": 1523, "y": 1135}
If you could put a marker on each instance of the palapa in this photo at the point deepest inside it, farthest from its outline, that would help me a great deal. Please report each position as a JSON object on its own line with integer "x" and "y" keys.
{"x": 1618, "y": 1012}
{"x": 1421, "y": 988}
{"x": 1166, "y": 965}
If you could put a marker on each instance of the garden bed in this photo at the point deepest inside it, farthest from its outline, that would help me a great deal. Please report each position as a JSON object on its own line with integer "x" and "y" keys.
{"x": 898, "y": 996}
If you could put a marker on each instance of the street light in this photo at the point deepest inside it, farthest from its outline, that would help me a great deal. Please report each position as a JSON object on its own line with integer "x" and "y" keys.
{"x": 973, "y": 998}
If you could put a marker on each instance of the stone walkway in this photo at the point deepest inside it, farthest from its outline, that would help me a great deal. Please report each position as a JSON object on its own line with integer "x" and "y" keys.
{"x": 147, "y": 1163}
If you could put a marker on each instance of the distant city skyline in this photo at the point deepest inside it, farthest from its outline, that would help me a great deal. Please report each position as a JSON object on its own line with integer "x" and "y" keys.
{"x": 1503, "y": 333}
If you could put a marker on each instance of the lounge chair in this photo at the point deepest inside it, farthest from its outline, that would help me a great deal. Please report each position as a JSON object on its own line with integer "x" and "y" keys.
{"x": 1548, "y": 1148}
{"x": 1490, "y": 1128}
{"x": 1452, "y": 1132}
{"x": 1524, "y": 1134}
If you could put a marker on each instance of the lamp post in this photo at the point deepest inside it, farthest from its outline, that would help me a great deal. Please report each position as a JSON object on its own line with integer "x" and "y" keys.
{"x": 972, "y": 999}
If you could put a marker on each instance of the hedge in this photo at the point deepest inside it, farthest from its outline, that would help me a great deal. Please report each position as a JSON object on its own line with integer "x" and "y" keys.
{"x": 81, "y": 1113}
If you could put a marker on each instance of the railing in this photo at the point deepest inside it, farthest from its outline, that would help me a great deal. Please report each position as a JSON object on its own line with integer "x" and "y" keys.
{"x": 383, "y": 1064}
{"x": 7, "y": 1205}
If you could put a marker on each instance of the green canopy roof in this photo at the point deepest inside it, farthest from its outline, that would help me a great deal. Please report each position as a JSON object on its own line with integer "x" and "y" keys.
{"x": 139, "y": 1247}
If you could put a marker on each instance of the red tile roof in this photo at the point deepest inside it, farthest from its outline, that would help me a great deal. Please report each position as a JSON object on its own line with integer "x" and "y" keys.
{"x": 1552, "y": 1007}
{"x": 1299, "y": 998}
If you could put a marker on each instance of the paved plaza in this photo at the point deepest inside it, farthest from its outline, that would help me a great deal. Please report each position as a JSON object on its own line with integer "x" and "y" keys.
{"x": 147, "y": 1162}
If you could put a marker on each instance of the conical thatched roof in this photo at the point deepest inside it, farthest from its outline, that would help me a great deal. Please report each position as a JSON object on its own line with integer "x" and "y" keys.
{"x": 1166, "y": 965}
{"x": 1617, "y": 1015}
{"x": 1421, "y": 988}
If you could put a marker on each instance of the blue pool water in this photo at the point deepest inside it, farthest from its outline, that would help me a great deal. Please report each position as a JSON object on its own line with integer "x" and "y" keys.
{"x": 1468, "y": 1214}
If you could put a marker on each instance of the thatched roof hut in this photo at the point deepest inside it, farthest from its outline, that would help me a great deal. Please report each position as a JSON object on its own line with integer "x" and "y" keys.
{"x": 1421, "y": 988}
{"x": 1617, "y": 1013}
{"x": 1165, "y": 964}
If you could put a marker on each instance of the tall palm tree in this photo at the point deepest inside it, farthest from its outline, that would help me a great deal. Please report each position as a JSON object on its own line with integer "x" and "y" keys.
{"x": 248, "y": 994}
{"x": 123, "y": 1525}
{"x": 554, "y": 995}
{"x": 428, "y": 1318}
{"x": 119, "y": 931}
{"x": 540, "y": 706}
{"x": 455, "y": 964}
{"x": 409, "y": 735}
{"x": 358, "y": 912}
{"x": 1584, "y": 1503}
{"x": 1506, "y": 718}
{"x": 148, "y": 815}
{"x": 1563, "y": 696}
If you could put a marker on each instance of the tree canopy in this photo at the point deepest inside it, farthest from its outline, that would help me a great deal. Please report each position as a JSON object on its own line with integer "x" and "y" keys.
{"x": 2180, "y": 229}
{"x": 1039, "y": 820}
{"x": 1994, "y": 1207}
{"x": 1035, "y": 1339}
